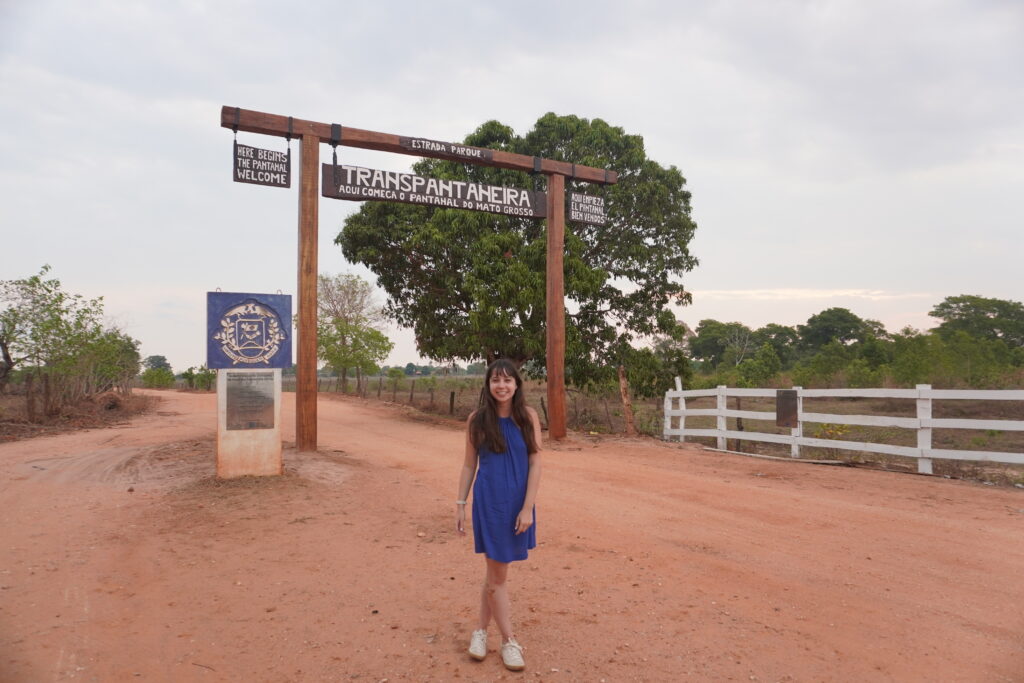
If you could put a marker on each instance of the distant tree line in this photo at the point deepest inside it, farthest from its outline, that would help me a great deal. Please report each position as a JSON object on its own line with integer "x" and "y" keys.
{"x": 979, "y": 342}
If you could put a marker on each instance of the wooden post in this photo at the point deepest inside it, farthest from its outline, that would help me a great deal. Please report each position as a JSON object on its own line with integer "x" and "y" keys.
{"x": 305, "y": 372}
{"x": 556, "y": 307}
{"x": 627, "y": 405}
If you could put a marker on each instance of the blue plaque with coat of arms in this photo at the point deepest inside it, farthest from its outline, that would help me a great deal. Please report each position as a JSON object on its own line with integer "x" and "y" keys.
{"x": 246, "y": 330}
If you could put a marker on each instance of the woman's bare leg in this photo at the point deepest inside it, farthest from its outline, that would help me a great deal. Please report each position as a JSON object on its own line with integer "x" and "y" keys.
{"x": 485, "y": 607}
{"x": 497, "y": 597}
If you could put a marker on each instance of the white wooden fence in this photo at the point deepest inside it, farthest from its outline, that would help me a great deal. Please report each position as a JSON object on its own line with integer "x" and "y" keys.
{"x": 923, "y": 422}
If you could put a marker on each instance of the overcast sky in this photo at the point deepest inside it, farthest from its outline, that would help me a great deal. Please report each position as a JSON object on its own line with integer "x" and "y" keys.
{"x": 852, "y": 153}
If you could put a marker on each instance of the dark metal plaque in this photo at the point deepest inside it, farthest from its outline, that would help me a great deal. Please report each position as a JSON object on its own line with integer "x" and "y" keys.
{"x": 250, "y": 400}
{"x": 368, "y": 184}
{"x": 586, "y": 208}
{"x": 445, "y": 150}
{"x": 786, "y": 408}
{"x": 262, "y": 166}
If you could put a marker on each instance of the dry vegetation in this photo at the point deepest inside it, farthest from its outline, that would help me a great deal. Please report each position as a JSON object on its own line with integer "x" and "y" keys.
{"x": 102, "y": 410}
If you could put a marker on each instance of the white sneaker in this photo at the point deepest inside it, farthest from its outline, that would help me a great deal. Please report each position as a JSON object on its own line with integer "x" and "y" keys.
{"x": 512, "y": 655}
{"x": 478, "y": 644}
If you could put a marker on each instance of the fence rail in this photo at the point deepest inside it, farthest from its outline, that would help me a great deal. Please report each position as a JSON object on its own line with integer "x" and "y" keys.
{"x": 923, "y": 423}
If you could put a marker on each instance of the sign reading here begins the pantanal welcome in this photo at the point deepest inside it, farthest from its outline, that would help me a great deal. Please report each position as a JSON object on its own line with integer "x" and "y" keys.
{"x": 367, "y": 184}
{"x": 262, "y": 166}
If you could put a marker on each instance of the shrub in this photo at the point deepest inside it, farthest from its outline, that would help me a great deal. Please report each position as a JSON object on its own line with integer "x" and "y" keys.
{"x": 158, "y": 378}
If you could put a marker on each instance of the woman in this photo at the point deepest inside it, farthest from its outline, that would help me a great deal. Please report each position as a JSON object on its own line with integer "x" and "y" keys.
{"x": 503, "y": 453}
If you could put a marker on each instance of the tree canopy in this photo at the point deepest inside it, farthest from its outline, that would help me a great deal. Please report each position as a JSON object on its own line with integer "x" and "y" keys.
{"x": 982, "y": 317}
{"x": 837, "y": 325}
{"x": 472, "y": 285}
{"x": 156, "y": 362}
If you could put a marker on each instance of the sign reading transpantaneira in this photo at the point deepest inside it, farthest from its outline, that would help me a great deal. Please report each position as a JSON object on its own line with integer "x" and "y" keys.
{"x": 262, "y": 166}
{"x": 587, "y": 208}
{"x": 367, "y": 184}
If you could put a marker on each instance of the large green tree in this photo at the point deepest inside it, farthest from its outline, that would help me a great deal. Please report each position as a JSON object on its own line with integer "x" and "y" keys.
{"x": 981, "y": 317}
{"x": 472, "y": 285}
{"x": 716, "y": 342}
{"x": 782, "y": 338}
{"x": 837, "y": 325}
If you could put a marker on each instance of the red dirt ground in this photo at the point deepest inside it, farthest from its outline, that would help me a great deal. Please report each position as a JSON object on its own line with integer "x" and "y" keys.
{"x": 124, "y": 559}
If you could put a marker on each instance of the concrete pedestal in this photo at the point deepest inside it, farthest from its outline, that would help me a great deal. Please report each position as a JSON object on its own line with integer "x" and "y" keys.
{"x": 248, "y": 422}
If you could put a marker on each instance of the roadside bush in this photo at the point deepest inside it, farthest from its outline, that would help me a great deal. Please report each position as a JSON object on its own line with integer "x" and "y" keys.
{"x": 157, "y": 378}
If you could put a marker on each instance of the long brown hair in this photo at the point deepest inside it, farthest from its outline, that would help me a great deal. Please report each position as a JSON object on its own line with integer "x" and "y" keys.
{"x": 484, "y": 429}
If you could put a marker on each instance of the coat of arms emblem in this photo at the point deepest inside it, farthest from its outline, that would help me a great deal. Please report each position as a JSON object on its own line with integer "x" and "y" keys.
{"x": 250, "y": 333}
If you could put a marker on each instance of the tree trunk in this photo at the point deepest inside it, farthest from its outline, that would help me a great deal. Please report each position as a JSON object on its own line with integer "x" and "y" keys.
{"x": 627, "y": 405}
{"x": 49, "y": 404}
{"x": 6, "y": 367}
{"x": 739, "y": 425}
{"x": 344, "y": 380}
{"x": 30, "y": 396}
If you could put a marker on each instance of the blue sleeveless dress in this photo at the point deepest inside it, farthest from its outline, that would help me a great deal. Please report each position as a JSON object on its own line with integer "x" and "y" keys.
{"x": 498, "y": 495}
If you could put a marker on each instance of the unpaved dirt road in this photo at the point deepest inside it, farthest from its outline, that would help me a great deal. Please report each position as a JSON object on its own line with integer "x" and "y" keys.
{"x": 124, "y": 559}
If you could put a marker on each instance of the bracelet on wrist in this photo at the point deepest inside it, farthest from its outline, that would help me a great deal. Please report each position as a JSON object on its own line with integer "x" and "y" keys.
{"x": 460, "y": 502}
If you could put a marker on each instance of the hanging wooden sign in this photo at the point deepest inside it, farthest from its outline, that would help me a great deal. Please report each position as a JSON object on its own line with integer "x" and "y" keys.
{"x": 587, "y": 208}
{"x": 446, "y": 150}
{"x": 262, "y": 166}
{"x": 367, "y": 184}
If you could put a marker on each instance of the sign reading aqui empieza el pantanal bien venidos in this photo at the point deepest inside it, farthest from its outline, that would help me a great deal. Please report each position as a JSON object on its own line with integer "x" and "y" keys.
{"x": 586, "y": 208}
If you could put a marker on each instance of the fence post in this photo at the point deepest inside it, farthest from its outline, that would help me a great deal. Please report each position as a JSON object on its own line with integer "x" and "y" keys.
{"x": 798, "y": 431}
{"x": 720, "y": 422}
{"x": 665, "y": 431}
{"x": 412, "y": 388}
{"x": 924, "y": 434}
{"x": 682, "y": 410}
{"x": 380, "y": 385}
{"x": 669, "y": 413}
{"x": 451, "y": 403}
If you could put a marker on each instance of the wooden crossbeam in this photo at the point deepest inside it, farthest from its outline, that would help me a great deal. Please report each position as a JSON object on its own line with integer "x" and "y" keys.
{"x": 251, "y": 121}
{"x": 312, "y": 133}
